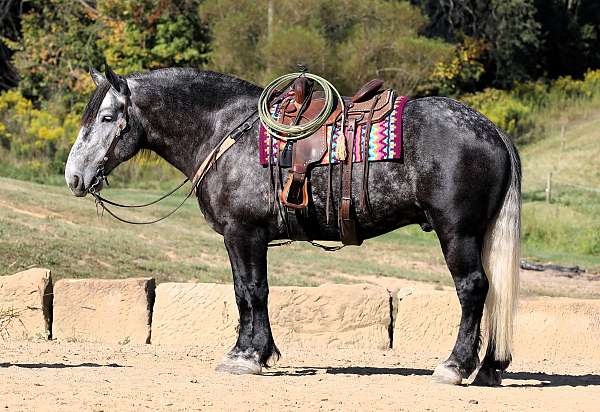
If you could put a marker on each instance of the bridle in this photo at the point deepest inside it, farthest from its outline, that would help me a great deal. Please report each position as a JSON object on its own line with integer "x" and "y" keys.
{"x": 122, "y": 127}
{"x": 224, "y": 144}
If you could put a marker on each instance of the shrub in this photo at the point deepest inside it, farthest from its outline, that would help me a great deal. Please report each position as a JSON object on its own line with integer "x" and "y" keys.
{"x": 505, "y": 110}
{"x": 526, "y": 110}
{"x": 39, "y": 137}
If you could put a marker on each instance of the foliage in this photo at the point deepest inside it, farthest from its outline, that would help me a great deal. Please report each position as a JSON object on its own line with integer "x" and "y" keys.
{"x": 347, "y": 41}
{"x": 504, "y": 109}
{"x": 527, "y": 39}
{"x": 571, "y": 36}
{"x": 56, "y": 49}
{"x": 524, "y": 111}
{"x": 508, "y": 27}
{"x": 148, "y": 34}
{"x": 40, "y": 138}
{"x": 463, "y": 70}
{"x": 62, "y": 39}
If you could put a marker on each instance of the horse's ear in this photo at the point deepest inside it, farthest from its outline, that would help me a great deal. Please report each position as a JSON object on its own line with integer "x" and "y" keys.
{"x": 117, "y": 82}
{"x": 97, "y": 77}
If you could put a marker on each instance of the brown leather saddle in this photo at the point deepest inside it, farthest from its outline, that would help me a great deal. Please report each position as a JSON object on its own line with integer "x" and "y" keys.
{"x": 369, "y": 104}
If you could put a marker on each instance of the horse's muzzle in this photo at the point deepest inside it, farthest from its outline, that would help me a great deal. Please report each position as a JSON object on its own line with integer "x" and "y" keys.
{"x": 76, "y": 184}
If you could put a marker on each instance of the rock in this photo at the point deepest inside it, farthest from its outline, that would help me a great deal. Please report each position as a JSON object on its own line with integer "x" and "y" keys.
{"x": 26, "y": 305}
{"x": 194, "y": 314}
{"x": 558, "y": 329}
{"x": 100, "y": 310}
{"x": 545, "y": 328}
{"x": 326, "y": 316}
{"x": 425, "y": 321}
{"x": 335, "y": 316}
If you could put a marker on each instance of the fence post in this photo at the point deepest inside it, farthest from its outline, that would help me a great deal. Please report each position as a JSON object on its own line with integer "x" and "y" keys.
{"x": 549, "y": 188}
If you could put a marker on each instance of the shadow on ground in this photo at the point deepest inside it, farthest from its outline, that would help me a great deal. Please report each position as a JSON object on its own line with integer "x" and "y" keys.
{"x": 61, "y": 365}
{"x": 543, "y": 379}
{"x": 551, "y": 380}
{"x": 353, "y": 370}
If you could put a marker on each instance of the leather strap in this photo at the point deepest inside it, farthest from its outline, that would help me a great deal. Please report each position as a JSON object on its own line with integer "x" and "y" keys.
{"x": 364, "y": 196}
{"x": 214, "y": 155}
{"x": 347, "y": 224}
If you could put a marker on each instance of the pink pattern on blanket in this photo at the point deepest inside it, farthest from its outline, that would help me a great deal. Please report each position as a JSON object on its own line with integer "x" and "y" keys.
{"x": 385, "y": 139}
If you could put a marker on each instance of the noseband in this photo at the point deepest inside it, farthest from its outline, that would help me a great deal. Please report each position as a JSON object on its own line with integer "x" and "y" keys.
{"x": 122, "y": 126}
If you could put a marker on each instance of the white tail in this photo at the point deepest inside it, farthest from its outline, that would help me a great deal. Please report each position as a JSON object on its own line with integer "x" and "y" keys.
{"x": 501, "y": 256}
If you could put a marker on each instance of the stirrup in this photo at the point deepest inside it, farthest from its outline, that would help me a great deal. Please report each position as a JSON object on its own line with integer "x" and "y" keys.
{"x": 295, "y": 192}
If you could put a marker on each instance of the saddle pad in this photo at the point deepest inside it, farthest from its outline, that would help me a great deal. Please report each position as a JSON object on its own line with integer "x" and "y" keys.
{"x": 385, "y": 139}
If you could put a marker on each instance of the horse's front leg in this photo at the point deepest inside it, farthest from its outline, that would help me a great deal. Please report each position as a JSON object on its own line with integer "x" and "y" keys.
{"x": 247, "y": 250}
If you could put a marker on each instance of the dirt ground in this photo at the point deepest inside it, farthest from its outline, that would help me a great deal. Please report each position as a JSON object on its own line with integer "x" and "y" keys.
{"x": 82, "y": 376}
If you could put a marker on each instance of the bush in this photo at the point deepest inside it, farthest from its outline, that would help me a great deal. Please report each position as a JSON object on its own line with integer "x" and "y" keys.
{"x": 525, "y": 111}
{"x": 505, "y": 110}
{"x": 40, "y": 138}
{"x": 35, "y": 145}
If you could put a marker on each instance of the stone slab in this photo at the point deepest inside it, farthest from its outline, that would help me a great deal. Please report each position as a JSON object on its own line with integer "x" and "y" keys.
{"x": 545, "y": 328}
{"x": 26, "y": 305}
{"x": 101, "y": 310}
{"x": 335, "y": 316}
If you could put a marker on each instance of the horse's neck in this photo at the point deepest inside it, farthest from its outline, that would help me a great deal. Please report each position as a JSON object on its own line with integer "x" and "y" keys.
{"x": 186, "y": 137}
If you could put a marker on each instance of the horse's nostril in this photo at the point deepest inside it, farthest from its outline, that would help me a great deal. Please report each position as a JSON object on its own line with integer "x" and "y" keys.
{"x": 76, "y": 183}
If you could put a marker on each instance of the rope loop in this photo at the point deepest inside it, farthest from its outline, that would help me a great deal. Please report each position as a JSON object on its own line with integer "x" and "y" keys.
{"x": 300, "y": 131}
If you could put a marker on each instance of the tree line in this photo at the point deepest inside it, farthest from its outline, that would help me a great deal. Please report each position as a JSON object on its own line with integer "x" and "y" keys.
{"x": 417, "y": 46}
{"x": 520, "y": 62}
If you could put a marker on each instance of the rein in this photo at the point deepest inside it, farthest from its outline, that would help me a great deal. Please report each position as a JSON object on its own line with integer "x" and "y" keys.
{"x": 225, "y": 144}
{"x": 229, "y": 140}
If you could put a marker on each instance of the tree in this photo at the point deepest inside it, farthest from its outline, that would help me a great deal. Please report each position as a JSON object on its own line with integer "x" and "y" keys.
{"x": 509, "y": 27}
{"x": 347, "y": 41}
{"x": 148, "y": 34}
{"x": 10, "y": 33}
{"x": 56, "y": 49}
{"x": 571, "y": 30}
{"x": 62, "y": 39}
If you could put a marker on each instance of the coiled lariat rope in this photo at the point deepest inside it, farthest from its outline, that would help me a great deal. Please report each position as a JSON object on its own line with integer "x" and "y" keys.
{"x": 299, "y": 131}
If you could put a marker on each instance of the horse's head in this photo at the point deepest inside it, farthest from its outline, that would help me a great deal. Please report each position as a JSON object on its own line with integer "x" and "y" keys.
{"x": 109, "y": 134}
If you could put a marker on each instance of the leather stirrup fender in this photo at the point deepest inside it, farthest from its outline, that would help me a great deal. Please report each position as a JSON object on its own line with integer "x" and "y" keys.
{"x": 347, "y": 223}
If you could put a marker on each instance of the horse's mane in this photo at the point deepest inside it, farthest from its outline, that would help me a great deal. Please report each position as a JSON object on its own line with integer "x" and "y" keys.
{"x": 219, "y": 81}
{"x": 91, "y": 109}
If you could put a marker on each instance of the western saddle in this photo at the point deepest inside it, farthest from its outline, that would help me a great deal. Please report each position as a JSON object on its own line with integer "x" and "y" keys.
{"x": 300, "y": 104}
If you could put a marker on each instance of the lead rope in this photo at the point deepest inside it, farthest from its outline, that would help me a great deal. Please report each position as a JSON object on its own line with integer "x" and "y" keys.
{"x": 238, "y": 131}
{"x": 211, "y": 159}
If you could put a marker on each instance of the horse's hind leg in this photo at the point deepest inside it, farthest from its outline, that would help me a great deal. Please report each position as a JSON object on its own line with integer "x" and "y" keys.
{"x": 255, "y": 346}
{"x": 490, "y": 373}
{"x": 463, "y": 256}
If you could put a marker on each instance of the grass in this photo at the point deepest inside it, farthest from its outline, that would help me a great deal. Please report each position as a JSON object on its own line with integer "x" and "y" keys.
{"x": 8, "y": 318}
{"x": 46, "y": 226}
{"x": 43, "y": 225}
{"x": 566, "y": 230}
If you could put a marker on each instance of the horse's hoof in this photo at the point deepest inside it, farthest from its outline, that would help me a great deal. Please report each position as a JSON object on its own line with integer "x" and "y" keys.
{"x": 488, "y": 377}
{"x": 238, "y": 365}
{"x": 447, "y": 374}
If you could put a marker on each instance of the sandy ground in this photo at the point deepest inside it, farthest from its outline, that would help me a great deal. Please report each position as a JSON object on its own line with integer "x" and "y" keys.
{"x": 79, "y": 377}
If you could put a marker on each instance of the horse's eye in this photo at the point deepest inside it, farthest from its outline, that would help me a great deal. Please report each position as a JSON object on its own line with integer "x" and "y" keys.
{"x": 107, "y": 118}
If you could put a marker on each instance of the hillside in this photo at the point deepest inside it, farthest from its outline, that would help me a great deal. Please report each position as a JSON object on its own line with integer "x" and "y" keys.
{"x": 47, "y": 226}
{"x": 43, "y": 225}
{"x": 567, "y": 229}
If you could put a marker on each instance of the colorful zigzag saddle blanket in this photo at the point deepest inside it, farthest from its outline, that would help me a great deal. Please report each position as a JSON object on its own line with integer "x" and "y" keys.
{"x": 385, "y": 139}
